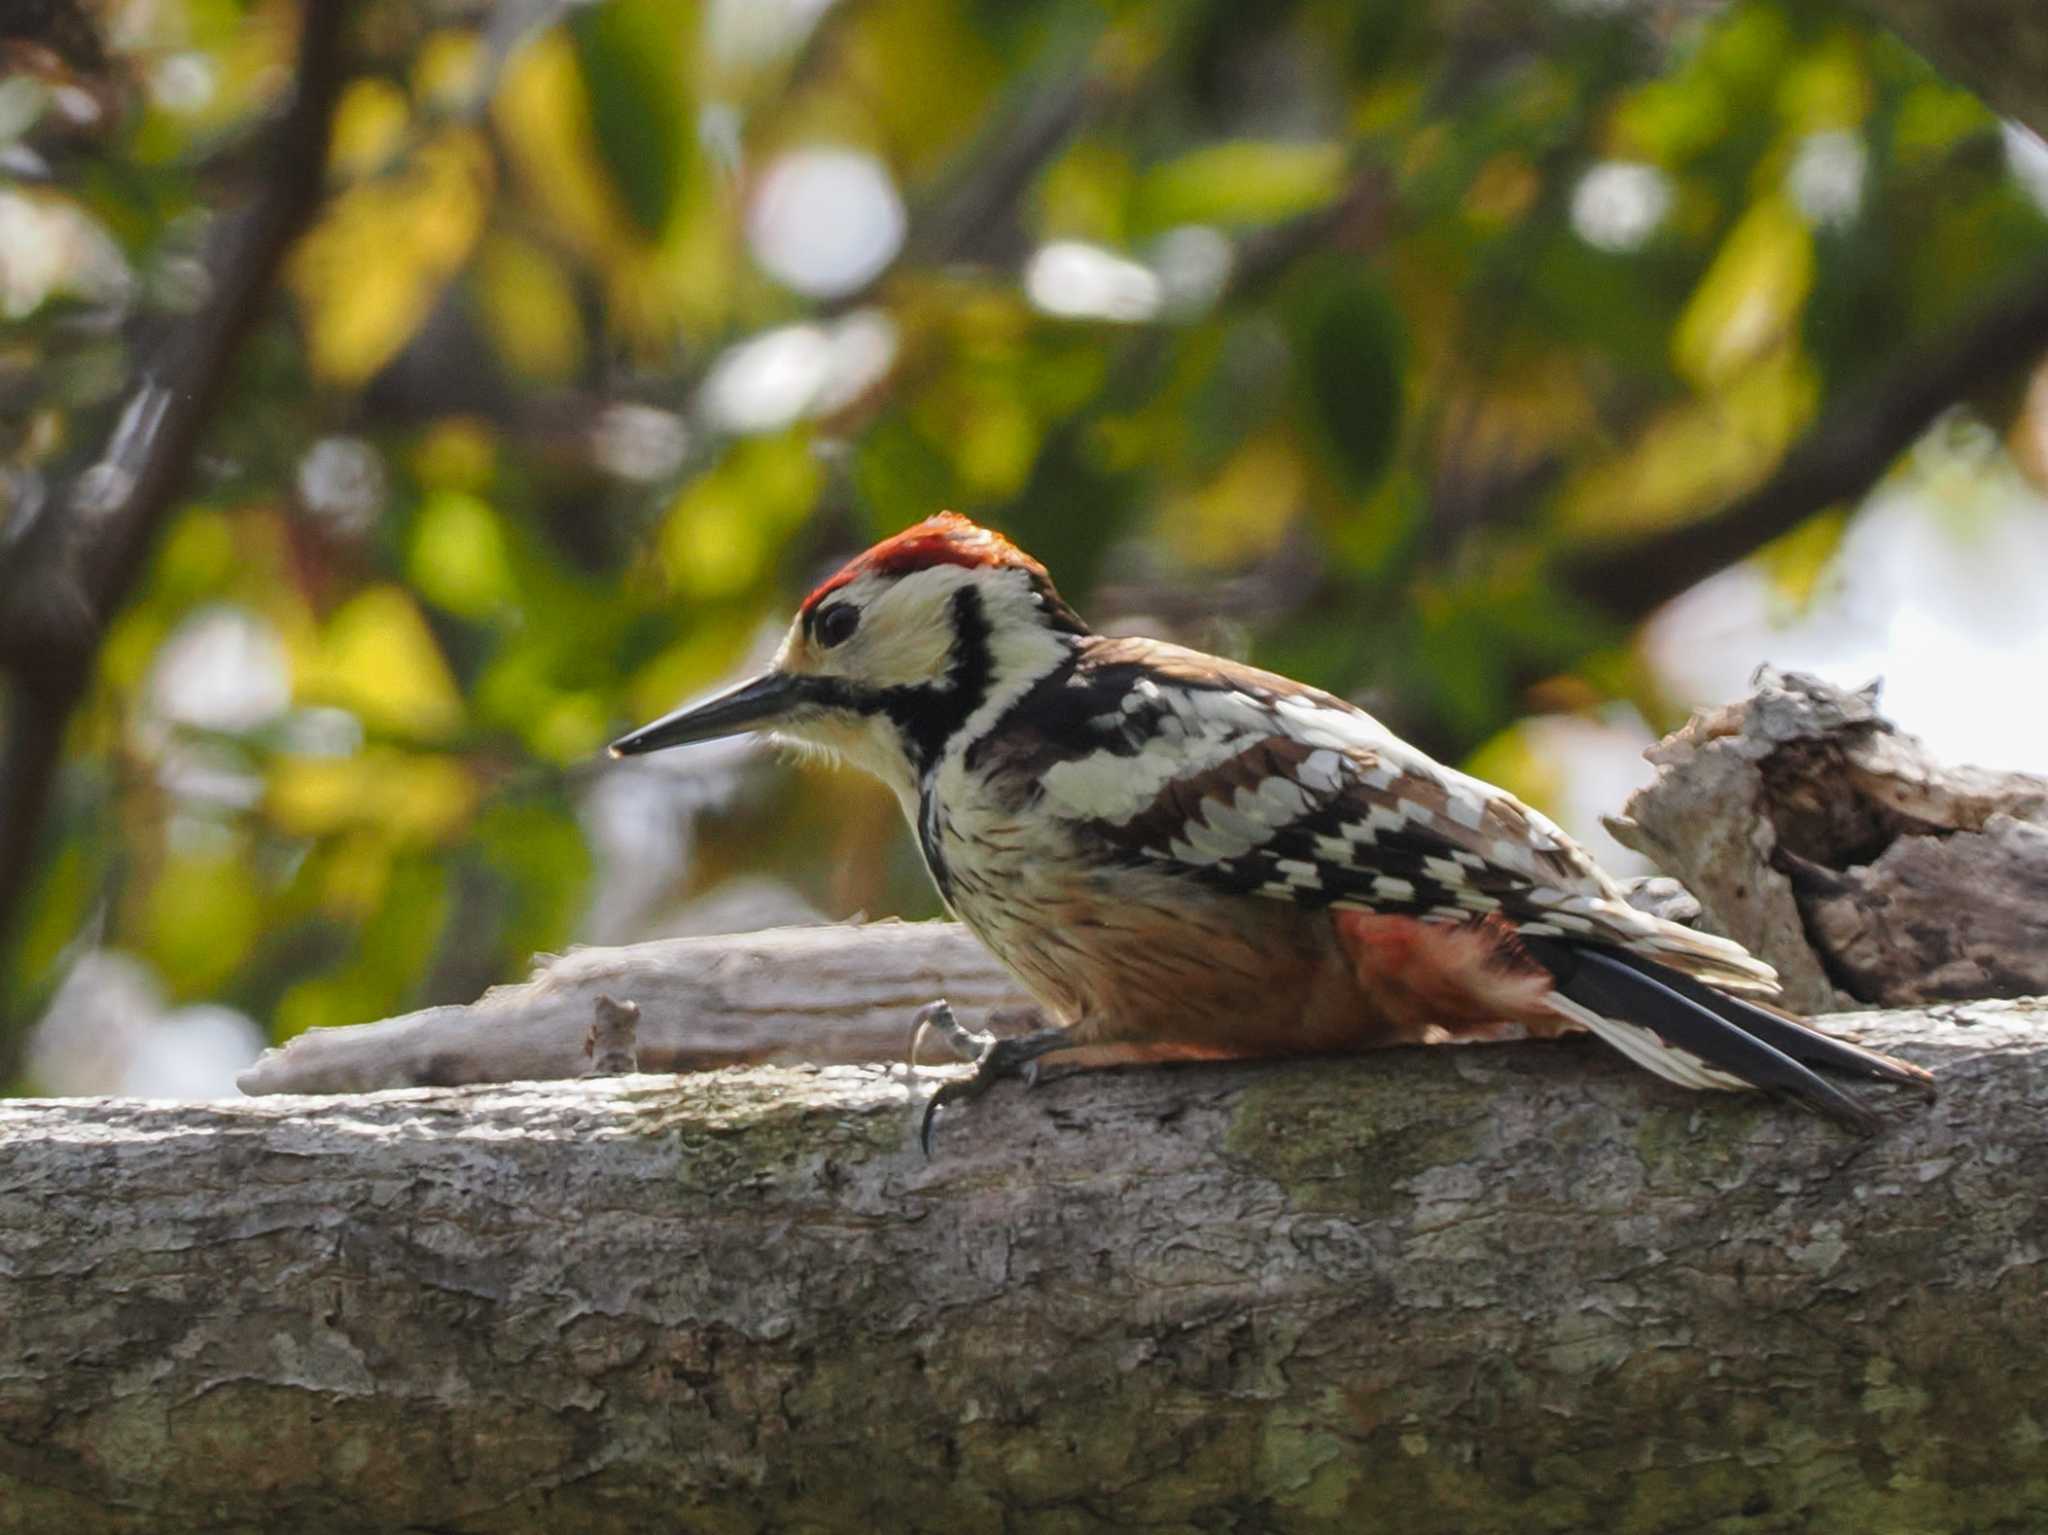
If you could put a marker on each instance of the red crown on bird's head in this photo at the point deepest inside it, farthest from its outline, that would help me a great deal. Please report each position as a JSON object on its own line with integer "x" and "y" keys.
{"x": 947, "y": 539}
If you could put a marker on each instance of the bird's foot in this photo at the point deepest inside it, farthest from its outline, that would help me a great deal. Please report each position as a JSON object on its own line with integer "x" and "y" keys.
{"x": 994, "y": 1058}
{"x": 937, "y": 1018}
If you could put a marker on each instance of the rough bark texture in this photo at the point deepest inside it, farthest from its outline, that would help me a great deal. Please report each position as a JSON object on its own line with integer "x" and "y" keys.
{"x": 1834, "y": 845}
{"x": 1490, "y": 1288}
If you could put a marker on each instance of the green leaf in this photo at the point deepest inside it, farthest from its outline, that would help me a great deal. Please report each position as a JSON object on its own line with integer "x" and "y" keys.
{"x": 538, "y": 851}
{"x": 1245, "y": 182}
{"x": 631, "y": 53}
{"x": 1351, "y": 347}
{"x": 202, "y": 915}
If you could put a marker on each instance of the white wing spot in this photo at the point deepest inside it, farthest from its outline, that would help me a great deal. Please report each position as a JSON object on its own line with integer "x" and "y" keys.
{"x": 1231, "y": 822}
{"x": 1299, "y": 872}
{"x": 1102, "y": 786}
{"x": 1464, "y": 808}
{"x": 1388, "y": 888}
{"x": 1276, "y": 801}
{"x": 1321, "y": 772}
{"x": 1382, "y": 818}
{"x": 1321, "y": 725}
{"x": 1217, "y": 845}
{"x": 1445, "y": 871}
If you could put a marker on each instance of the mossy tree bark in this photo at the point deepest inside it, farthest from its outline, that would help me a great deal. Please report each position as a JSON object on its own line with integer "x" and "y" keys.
{"x": 1492, "y": 1288}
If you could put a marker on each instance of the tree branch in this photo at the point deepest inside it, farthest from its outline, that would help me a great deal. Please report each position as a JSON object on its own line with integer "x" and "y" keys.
{"x": 813, "y": 995}
{"x": 1995, "y": 48}
{"x": 69, "y": 573}
{"x": 1496, "y": 1287}
{"x": 1839, "y": 460}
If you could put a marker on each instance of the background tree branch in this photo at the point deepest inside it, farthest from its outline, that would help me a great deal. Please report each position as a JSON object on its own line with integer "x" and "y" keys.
{"x": 1498, "y": 1288}
{"x": 1840, "y": 459}
{"x": 1998, "y": 50}
{"x": 63, "y": 579}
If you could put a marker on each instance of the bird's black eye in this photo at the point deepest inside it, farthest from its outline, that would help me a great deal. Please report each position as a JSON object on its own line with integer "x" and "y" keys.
{"x": 837, "y": 623}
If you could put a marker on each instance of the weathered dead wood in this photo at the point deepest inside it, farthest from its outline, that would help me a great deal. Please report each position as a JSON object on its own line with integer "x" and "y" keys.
{"x": 1834, "y": 845}
{"x": 1484, "y": 1289}
{"x": 821, "y": 995}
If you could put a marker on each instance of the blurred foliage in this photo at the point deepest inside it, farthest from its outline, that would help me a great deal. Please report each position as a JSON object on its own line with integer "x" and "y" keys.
{"x": 624, "y": 321}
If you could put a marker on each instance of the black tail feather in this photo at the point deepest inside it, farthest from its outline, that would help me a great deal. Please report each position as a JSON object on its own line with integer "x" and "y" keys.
{"x": 1798, "y": 1040}
{"x": 1600, "y": 979}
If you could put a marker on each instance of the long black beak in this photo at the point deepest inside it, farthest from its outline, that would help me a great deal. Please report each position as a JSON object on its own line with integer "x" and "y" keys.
{"x": 756, "y": 702}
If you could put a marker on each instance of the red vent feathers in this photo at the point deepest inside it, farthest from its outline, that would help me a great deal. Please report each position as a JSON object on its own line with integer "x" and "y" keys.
{"x": 947, "y": 539}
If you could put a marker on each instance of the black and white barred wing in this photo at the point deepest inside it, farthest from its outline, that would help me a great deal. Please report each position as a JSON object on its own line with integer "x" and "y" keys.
{"x": 1295, "y": 796}
{"x": 1254, "y": 784}
{"x": 1250, "y": 784}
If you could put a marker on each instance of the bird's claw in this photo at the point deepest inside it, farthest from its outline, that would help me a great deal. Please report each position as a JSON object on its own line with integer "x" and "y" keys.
{"x": 994, "y": 1059}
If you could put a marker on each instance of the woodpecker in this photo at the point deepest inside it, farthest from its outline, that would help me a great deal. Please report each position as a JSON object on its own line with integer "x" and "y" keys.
{"x": 1184, "y": 856}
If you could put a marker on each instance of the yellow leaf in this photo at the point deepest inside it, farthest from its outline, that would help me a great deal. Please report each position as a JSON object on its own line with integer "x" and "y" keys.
{"x": 1748, "y": 303}
{"x": 458, "y": 556}
{"x": 406, "y": 797}
{"x": 1240, "y": 183}
{"x": 543, "y": 115}
{"x": 1829, "y": 88}
{"x": 369, "y": 125}
{"x": 379, "y": 659}
{"x": 1699, "y": 454}
{"x": 573, "y": 726}
{"x": 1246, "y": 509}
{"x": 1796, "y": 562}
{"x": 1932, "y": 118}
{"x": 370, "y": 271}
{"x": 201, "y": 916}
{"x": 457, "y": 454}
{"x": 530, "y": 310}
{"x": 937, "y": 43}
{"x": 1505, "y": 188}
{"x": 728, "y": 524}
{"x": 354, "y": 875}
{"x": 1083, "y": 194}
{"x": 449, "y": 68}
{"x": 995, "y": 442}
